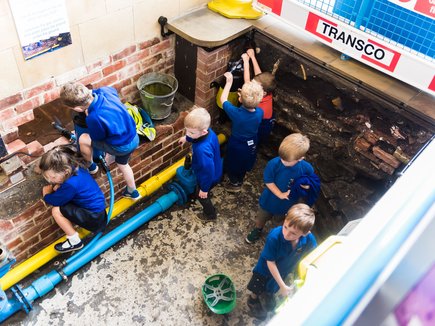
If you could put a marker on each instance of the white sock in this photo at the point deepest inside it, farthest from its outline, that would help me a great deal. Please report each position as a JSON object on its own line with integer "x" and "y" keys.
{"x": 73, "y": 239}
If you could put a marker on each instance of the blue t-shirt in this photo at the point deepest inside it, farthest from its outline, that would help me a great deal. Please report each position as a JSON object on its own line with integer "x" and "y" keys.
{"x": 283, "y": 177}
{"x": 108, "y": 119}
{"x": 280, "y": 251}
{"x": 244, "y": 123}
{"x": 206, "y": 160}
{"x": 79, "y": 189}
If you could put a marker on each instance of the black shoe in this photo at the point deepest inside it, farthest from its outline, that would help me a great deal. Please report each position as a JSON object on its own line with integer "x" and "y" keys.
{"x": 205, "y": 218}
{"x": 233, "y": 187}
{"x": 60, "y": 248}
{"x": 256, "y": 309}
{"x": 269, "y": 301}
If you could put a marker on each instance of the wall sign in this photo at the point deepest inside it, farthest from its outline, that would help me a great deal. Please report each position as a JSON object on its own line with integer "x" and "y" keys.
{"x": 42, "y": 25}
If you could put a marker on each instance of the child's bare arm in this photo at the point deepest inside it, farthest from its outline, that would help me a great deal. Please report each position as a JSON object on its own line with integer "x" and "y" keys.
{"x": 278, "y": 193}
{"x": 284, "y": 290}
{"x": 251, "y": 54}
{"x": 226, "y": 90}
{"x": 246, "y": 74}
{"x": 48, "y": 189}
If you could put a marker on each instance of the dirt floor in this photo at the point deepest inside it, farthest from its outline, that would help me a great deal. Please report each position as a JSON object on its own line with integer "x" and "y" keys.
{"x": 154, "y": 276}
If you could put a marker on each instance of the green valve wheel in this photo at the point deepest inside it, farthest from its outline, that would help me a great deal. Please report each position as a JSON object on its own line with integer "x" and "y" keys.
{"x": 219, "y": 293}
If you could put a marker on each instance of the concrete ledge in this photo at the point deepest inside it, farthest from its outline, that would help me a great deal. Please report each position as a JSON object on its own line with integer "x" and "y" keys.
{"x": 208, "y": 29}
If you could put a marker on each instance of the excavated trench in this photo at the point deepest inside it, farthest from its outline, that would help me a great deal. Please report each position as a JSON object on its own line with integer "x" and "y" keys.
{"x": 360, "y": 141}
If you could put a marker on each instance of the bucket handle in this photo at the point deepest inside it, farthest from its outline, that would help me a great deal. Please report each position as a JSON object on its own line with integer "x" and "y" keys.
{"x": 168, "y": 104}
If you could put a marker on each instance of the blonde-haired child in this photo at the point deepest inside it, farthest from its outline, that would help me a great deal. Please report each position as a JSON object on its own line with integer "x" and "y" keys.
{"x": 242, "y": 145}
{"x": 206, "y": 158}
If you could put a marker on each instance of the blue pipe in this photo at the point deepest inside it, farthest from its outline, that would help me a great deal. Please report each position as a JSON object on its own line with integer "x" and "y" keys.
{"x": 46, "y": 283}
{"x": 109, "y": 214}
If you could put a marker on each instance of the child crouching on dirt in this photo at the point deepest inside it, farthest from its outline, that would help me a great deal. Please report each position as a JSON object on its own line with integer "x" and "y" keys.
{"x": 206, "y": 158}
{"x": 75, "y": 196}
{"x": 285, "y": 246}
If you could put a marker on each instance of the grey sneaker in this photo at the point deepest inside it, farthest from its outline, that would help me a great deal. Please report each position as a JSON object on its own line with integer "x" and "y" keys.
{"x": 233, "y": 187}
{"x": 253, "y": 236}
{"x": 256, "y": 309}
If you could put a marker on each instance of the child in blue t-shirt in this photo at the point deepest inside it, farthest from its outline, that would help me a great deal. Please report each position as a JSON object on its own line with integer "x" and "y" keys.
{"x": 75, "y": 196}
{"x": 285, "y": 246}
{"x": 242, "y": 145}
{"x": 280, "y": 176}
{"x": 206, "y": 158}
{"x": 111, "y": 128}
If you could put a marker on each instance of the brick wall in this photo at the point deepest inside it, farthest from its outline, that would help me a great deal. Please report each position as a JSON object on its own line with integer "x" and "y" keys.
{"x": 34, "y": 228}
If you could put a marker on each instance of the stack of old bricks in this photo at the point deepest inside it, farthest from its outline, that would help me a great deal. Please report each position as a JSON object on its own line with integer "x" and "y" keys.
{"x": 367, "y": 145}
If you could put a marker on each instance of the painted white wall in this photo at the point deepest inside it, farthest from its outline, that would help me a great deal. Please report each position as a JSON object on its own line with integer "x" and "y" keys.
{"x": 98, "y": 28}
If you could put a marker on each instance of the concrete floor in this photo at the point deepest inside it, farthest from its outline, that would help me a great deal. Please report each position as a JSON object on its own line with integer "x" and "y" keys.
{"x": 154, "y": 276}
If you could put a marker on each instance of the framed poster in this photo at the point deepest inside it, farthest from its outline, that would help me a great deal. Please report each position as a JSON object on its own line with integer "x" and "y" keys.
{"x": 42, "y": 25}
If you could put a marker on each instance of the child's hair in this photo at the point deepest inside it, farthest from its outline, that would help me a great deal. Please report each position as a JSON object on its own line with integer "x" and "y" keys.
{"x": 301, "y": 216}
{"x": 62, "y": 159}
{"x": 251, "y": 94}
{"x": 294, "y": 147}
{"x": 198, "y": 119}
{"x": 75, "y": 94}
{"x": 266, "y": 80}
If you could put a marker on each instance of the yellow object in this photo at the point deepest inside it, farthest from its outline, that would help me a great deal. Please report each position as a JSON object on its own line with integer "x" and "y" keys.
{"x": 235, "y": 9}
{"x": 315, "y": 257}
{"x": 42, "y": 257}
{"x": 233, "y": 98}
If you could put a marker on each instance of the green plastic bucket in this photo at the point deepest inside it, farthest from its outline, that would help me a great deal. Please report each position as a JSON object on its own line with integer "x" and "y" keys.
{"x": 219, "y": 293}
{"x": 157, "y": 92}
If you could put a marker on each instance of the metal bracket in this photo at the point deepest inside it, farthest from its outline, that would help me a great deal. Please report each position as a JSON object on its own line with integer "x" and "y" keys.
{"x": 163, "y": 21}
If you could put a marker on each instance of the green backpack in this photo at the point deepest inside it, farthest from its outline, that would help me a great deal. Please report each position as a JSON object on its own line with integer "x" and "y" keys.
{"x": 144, "y": 124}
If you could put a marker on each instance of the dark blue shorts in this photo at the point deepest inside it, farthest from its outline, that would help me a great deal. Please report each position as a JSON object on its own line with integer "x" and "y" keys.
{"x": 91, "y": 221}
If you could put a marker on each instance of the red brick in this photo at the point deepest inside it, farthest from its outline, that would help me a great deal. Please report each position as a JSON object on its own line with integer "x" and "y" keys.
{"x": 163, "y": 45}
{"x": 28, "y": 105}
{"x": 108, "y": 81}
{"x": 370, "y": 136}
{"x": 150, "y": 62}
{"x": 179, "y": 123}
{"x": 124, "y": 53}
{"x": 5, "y": 226}
{"x": 163, "y": 131}
{"x": 387, "y": 158}
{"x": 13, "y": 243}
{"x": 205, "y": 56}
{"x": 148, "y": 43}
{"x": 362, "y": 145}
{"x": 138, "y": 56}
{"x": 121, "y": 84}
{"x": 7, "y": 113}
{"x": 52, "y": 95}
{"x": 97, "y": 66}
{"x": 114, "y": 67}
{"x": 11, "y": 100}
{"x": 16, "y": 146}
{"x": 91, "y": 79}
{"x": 35, "y": 148}
{"x": 9, "y": 135}
{"x": 19, "y": 120}
{"x": 39, "y": 89}
{"x": 129, "y": 90}
{"x": 30, "y": 213}
{"x": 386, "y": 168}
{"x": 161, "y": 167}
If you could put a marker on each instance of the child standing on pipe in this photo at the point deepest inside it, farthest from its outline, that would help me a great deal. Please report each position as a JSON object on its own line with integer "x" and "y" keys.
{"x": 75, "y": 196}
{"x": 206, "y": 158}
{"x": 267, "y": 81}
{"x": 111, "y": 128}
{"x": 242, "y": 145}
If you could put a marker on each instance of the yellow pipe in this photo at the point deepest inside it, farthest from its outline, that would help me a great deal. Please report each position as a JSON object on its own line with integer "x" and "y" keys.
{"x": 42, "y": 257}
